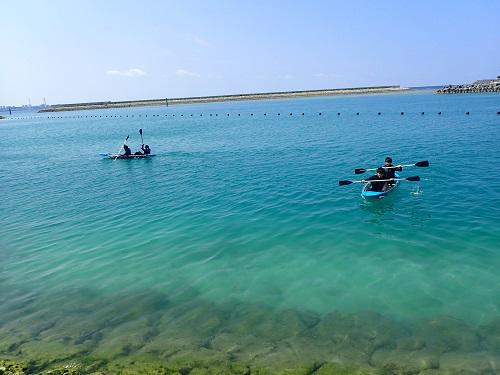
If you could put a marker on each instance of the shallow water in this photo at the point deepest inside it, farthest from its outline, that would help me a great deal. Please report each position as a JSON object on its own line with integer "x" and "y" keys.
{"x": 237, "y": 232}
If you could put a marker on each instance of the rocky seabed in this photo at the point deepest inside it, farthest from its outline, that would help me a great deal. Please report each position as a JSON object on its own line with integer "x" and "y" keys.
{"x": 151, "y": 335}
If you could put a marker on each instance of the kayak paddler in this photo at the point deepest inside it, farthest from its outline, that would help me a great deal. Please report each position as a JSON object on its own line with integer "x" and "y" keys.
{"x": 145, "y": 149}
{"x": 378, "y": 185}
{"x": 127, "y": 150}
{"x": 390, "y": 169}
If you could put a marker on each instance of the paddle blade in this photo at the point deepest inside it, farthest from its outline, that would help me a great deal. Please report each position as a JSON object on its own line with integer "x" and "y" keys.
{"x": 359, "y": 170}
{"x": 140, "y": 131}
{"x": 413, "y": 178}
{"x": 423, "y": 163}
{"x": 126, "y": 139}
{"x": 344, "y": 182}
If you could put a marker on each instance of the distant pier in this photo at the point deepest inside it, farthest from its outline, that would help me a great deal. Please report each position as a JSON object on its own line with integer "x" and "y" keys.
{"x": 483, "y": 85}
{"x": 221, "y": 98}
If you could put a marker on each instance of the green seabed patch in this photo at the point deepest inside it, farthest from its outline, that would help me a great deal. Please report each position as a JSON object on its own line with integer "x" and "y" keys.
{"x": 151, "y": 333}
{"x": 136, "y": 365}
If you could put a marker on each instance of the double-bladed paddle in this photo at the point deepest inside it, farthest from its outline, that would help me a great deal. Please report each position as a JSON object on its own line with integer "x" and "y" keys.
{"x": 423, "y": 163}
{"x": 412, "y": 178}
{"x": 125, "y": 141}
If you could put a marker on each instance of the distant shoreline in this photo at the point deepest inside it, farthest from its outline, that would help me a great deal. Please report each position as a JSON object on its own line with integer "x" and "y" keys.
{"x": 221, "y": 98}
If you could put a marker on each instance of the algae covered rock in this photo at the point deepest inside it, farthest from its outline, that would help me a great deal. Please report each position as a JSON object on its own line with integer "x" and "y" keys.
{"x": 9, "y": 367}
{"x": 337, "y": 369}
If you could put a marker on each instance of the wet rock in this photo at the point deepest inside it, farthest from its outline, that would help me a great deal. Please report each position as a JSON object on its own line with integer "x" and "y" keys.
{"x": 447, "y": 334}
{"x": 409, "y": 360}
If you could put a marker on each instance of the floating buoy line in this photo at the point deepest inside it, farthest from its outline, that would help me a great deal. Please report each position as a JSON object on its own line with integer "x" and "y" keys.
{"x": 266, "y": 114}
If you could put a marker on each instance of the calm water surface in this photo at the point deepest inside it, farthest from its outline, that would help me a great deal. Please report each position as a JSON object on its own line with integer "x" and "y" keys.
{"x": 238, "y": 228}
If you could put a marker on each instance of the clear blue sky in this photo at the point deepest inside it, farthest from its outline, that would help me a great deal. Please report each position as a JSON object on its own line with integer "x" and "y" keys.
{"x": 71, "y": 51}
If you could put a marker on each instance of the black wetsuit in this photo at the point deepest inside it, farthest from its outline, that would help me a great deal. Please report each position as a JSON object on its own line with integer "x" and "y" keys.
{"x": 146, "y": 150}
{"x": 127, "y": 149}
{"x": 391, "y": 170}
{"x": 378, "y": 185}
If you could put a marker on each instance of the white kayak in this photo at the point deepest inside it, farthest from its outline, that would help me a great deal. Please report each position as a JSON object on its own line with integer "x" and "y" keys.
{"x": 121, "y": 156}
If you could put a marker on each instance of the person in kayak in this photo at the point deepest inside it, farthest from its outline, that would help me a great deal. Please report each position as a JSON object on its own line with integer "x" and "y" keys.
{"x": 378, "y": 185}
{"x": 390, "y": 169}
{"x": 146, "y": 149}
{"x": 127, "y": 150}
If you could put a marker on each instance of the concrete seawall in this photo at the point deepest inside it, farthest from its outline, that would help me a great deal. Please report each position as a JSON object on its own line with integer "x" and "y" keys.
{"x": 220, "y": 98}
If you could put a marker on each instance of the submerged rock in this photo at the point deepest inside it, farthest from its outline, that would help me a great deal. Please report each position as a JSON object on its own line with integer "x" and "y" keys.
{"x": 366, "y": 331}
{"x": 410, "y": 360}
{"x": 336, "y": 369}
{"x": 447, "y": 334}
{"x": 490, "y": 335}
{"x": 470, "y": 363}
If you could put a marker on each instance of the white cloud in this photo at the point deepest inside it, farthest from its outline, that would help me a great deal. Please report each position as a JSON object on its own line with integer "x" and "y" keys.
{"x": 201, "y": 42}
{"x": 134, "y": 72}
{"x": 186, "y": 73}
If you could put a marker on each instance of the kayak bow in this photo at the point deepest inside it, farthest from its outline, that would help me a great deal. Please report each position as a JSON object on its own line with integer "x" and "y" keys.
{"x": 369, "y": 194}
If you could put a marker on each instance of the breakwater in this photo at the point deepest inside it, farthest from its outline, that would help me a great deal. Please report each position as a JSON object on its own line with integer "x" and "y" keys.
{"x": 484, "y": 85}
{"x": 220, "y": 98}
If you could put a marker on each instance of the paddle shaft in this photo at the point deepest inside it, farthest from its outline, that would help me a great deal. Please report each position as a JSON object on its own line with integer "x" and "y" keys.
{"x": 126, "y": 139}
{"x": 393, "y": 167}
{"x": 389, "y": 179}
{"x": 412, "y": 178}
{"x": 423, "y": 163}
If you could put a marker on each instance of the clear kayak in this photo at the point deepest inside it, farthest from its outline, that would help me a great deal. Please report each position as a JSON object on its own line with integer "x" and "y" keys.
{"x": 369, "y": 194}
{"x": 121, "y": 156}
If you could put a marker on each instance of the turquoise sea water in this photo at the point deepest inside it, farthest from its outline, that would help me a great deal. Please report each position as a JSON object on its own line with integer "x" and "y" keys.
{"x": 237, "y": 233}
